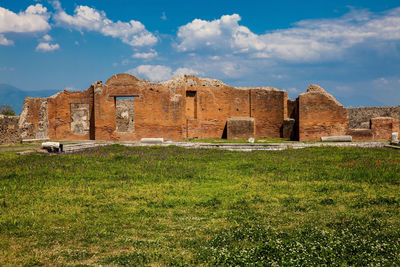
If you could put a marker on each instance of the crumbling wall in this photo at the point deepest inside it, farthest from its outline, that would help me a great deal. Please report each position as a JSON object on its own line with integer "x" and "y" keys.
{"x": 43, "y": 121}
{"x": 360, "y": 117}
{"x": 292, "y": 109}
{"x": 269, "y": 108}
{"x": 80, "y": 119}
{"x": 215, "y": 104}
{"x": 383, "y": 127}
{"x": 320, "y": 115}
{"x": 192, "y": 107}
{"x": 158, "y": 109}
{"x": 125, "y": 109}
{"x": 240, "y": 128}
{"x": 183, "y": 107}
{"x": 33, "y": 120}
{"x": 9, "y": 130}
{"x": 69, "y": 115}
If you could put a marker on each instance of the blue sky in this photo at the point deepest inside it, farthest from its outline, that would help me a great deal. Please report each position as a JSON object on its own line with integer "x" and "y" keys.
{"x": 350, "y": 48}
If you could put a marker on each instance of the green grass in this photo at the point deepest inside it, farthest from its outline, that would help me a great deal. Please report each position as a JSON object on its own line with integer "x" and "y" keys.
{"x": 256, "y": 140}
{"x": 173, "y": 206}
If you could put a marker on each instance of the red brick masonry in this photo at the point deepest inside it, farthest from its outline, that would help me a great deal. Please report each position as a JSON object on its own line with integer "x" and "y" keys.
{"x": 190, "y": 107}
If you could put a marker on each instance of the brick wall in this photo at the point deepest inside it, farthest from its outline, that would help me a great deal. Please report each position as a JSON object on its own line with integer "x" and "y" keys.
{"x": 62, "y": 115}
{"x": 320, "y": 115}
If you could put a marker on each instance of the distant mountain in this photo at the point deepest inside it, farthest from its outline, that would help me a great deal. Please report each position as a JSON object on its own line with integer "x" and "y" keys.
{"x": 14, "y": 97}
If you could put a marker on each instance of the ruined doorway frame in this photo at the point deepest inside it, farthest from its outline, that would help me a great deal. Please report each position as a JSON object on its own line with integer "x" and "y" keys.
{"x": 123, "y": 96}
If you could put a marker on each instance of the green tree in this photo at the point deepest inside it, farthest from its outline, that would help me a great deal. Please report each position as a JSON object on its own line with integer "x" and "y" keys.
{"x": 7, "y": 110}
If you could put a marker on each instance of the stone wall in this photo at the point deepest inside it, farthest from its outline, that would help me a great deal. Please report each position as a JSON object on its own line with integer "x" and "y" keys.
{"x": 269, "y": 108}
{"x": 125, "y": 115}
{"x": 9, "y": 130}
{"x": 80, "y": 123}
{"x": 360, "y": 117}
{"x": 70, "y": 115}
{"x": 33, "y": 120}
{"x": 240, "y": 128}
{"x": 184, "y": 107}
{"x": 158, "y": 110}
{"x": 383, "y": 127}
{"x": 128, "y": 109}
{"x": 320, "y": 115}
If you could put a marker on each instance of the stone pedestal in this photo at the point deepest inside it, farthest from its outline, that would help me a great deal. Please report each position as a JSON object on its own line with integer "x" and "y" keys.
{"x": 395, "y": 138}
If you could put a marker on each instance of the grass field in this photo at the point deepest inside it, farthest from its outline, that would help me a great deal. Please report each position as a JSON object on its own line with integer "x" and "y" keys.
{"x": 256, "y": 140}
{"x": 173, "y": 206}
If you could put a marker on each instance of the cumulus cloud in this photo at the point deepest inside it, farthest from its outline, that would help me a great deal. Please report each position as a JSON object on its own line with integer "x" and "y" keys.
{"x": 152, "y": 72}
{"x": 5, "y": 41}
{"x": 160, "y": 72}
{"x": 47, "y": 38}
{"x": 307, "y": 40}
{"x": 185, "y": 71}
{"x": 86, "y": 18}
{"x": 33, "y": 19}
{"x": 145, "y": 55}
{"x": 46, "y": 47}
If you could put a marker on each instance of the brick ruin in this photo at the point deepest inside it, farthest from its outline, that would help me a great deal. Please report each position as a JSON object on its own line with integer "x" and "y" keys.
{"x": 128, "y": 109}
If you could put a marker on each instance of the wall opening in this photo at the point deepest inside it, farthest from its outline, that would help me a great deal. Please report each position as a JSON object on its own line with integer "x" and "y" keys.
{"x": 191, "y": 105}
{"x": 80, "y": 119}
{"x": 125, "y": 114}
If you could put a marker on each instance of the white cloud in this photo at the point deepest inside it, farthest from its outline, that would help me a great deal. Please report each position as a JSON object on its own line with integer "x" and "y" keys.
{"x": 185, "y": 71}
{"x": 5, "y": 41}
{"x": 152, "y": 72}
{"x": 47, "y": 38}
{"x": 86, "y": 18}
{"x": 33, "y": 19}
{"x": 145, "y": 55}
{"x": 293, "y": 90}
{"x": 160, "y": 72}
{"x": 386, "y": 83}
{"x": 46, "y": 47}
{"x": 307, "y": 40}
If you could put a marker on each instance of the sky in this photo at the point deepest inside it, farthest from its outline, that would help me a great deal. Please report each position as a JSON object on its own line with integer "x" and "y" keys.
{"x": 350, "y": 48}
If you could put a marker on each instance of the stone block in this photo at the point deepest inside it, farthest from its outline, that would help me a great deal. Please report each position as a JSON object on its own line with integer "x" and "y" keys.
{"x": 383, "y": 127}
{"x": 361, "y": 134}
{"x": 240, "y": 128}
{"x": 52, "y": 146}
{"x": 153, "y": 141}
{"x": 395, "y": 138}
{"x": 344, "y": 138}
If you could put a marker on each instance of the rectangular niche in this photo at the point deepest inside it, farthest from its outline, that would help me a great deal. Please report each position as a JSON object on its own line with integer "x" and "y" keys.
{"x": 191, "y": 105}
{"x": 80, "y": 119}
{"x": 125, "y": 114}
